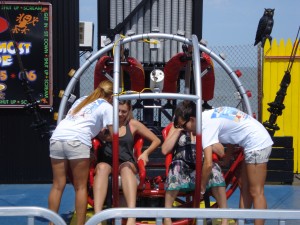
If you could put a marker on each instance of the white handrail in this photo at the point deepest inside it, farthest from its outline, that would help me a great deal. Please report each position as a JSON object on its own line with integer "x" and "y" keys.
{"x": 199, "y": 214}
{"x": 31, "y": 212}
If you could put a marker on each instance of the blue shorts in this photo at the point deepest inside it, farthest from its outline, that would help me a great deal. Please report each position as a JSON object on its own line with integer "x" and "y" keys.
{"x": 71, "y": 149}
{"x": 258, "y": 156}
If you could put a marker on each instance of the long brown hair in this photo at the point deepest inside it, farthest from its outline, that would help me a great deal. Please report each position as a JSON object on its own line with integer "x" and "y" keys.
{"x": 104, "y": 90}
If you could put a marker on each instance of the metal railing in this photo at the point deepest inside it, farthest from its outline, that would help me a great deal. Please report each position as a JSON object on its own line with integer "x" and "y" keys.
{"x": 199, "y": 214}
{"x": 31, "y": 213}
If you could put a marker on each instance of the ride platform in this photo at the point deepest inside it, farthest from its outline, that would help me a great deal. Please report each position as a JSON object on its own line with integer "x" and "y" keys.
{"x": 278, "y": 197}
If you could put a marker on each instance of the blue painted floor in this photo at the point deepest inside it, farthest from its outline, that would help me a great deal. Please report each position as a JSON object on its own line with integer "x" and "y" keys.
{"x": 278, "y": 197}
{"x": 34, "y": 195}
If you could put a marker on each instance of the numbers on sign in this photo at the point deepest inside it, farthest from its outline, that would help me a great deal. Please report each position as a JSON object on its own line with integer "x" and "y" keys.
{"x": 3, "y": 75}
{"x": 30, "y": 75}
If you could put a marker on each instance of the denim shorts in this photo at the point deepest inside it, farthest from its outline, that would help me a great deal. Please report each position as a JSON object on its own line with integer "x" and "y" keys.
{"x": 258, "y": 156}
{"x": 71, "y": 149}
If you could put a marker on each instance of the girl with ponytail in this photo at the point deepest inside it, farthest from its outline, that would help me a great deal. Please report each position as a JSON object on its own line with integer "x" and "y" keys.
{"x": 70, "y": 145}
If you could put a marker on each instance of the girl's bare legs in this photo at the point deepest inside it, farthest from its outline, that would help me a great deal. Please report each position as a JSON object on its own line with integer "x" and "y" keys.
{"x": 59, "y": 170}
{"x": 170, "y": 197}
{"x": 129, "y": 186}
{"x": 80, "y": 171}
{"x": 100, "y": 186}
{"x": 256, "y": 177}
{"x": 219, "y": 194}
{"x": 245, "y": 197}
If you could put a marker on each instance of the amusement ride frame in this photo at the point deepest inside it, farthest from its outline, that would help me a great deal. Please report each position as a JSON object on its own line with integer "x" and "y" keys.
{"x": 130, "y": 95}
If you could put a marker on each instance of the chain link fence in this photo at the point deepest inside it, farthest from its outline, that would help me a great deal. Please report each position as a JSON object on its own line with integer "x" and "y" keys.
{"x": 243, "y": 58}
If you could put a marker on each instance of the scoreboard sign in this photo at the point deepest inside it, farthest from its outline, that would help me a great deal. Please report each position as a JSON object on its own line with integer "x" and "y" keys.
{"x": 25, "y": 45}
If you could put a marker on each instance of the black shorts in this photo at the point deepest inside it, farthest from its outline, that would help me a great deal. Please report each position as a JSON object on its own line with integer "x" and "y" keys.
{"x": 103, "y": 156}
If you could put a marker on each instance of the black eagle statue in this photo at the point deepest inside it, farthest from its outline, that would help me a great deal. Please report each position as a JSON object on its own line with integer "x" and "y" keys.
{"x": 265, "y": 27}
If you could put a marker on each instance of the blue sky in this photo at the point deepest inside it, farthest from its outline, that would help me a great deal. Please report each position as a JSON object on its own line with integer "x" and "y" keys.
{"x": 232, "y": 22}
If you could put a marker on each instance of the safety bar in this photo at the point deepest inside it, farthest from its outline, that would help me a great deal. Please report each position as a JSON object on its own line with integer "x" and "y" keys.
{"x": 30, "y": 213}
{"x": 199, "y": 214}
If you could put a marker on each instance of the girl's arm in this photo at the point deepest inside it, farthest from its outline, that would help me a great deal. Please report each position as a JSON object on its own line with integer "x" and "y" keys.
{"x": 171, "y": 140}
{"x": 141, "y": 129}
{"x": 218, "y": 148}
{"x": 207, "y": 168}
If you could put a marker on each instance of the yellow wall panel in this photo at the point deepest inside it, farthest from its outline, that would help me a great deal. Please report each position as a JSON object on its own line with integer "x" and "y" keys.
{"x": 275, "y": 62}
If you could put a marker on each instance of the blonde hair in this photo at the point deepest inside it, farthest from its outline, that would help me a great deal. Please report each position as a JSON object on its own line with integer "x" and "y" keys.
{"x": 104, "y": 91}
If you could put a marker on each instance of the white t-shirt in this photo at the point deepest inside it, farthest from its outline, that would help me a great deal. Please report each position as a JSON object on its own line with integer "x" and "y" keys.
{"x": 231, "y": 126}
{"x": 85, "y": 124}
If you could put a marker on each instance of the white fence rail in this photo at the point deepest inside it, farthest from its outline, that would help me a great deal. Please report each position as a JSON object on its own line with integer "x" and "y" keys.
{"x": 199, "y": 214}
{"x": 31, "y": 213}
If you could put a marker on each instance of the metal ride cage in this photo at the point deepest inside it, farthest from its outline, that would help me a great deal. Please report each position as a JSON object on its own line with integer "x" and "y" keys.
{"x": 280, "y": 217}
{"x": 31, "y": 213}
{"x": 129, "y": 95}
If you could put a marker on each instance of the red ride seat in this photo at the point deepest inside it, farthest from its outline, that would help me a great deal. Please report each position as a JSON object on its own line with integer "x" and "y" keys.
{"x": 138, "y": 146}
{"x": 168, "y": 159}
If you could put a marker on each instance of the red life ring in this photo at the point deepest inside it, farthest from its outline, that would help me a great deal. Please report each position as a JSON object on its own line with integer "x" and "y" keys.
{"x": 102, "y": 66}
{"x": 134, "y": 69}
{"x": 175, "y": 64}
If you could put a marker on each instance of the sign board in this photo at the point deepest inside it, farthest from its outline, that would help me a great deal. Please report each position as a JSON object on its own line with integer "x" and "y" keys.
{"x": 25, "y": 45}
